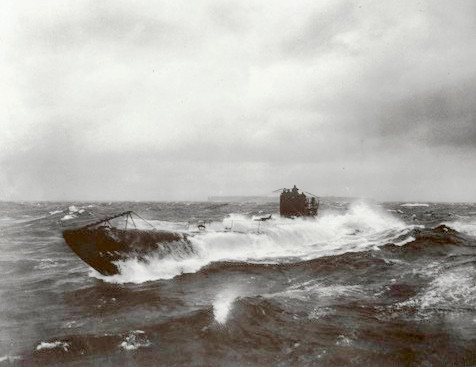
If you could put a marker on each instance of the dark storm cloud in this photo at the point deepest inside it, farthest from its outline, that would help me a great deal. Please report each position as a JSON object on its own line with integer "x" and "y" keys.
{"x": 446, "y": 116}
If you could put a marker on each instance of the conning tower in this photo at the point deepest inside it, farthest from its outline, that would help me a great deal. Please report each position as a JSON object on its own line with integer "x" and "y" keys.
{"x": 293, "y": 203}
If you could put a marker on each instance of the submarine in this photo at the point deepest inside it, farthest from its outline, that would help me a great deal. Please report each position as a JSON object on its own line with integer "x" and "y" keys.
{"x": 102, "y": 245}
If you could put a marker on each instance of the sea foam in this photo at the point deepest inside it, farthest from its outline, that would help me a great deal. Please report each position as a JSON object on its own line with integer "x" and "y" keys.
{"x": 467, "y": 226}
{"x": 222, "y": 305}
{"x": 51, "y": 345}
{"x": 415, "y": 204}
{"x": 361, "y": 228}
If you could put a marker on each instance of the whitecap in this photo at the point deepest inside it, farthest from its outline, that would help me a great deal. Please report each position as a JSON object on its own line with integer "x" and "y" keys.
{"x": 68, "y": 217}
{"x": 73, "y": 209}
{"x": 56, "y": 344}
{"x": 467, "y": 226}
{"x": 415, "y": 204}
{"x": 405, "y": 241}
{"x": 312, "y": 289}
{"x": 134, "y": 340}
{"x": 451, "y": 289}
{"x": 222, "y": 305}
{"x": 343, "y": 340}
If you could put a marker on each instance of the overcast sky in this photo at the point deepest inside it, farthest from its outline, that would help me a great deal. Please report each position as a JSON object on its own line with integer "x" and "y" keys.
{"x": 181, "y": 100}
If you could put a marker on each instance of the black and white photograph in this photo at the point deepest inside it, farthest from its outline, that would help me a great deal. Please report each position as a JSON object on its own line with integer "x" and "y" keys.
{"x": 237, "y": 183}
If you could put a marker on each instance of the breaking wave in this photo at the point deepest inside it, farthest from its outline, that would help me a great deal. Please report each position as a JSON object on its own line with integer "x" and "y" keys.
{"x": 452, "y": 289}
{"x": 467, "y": 226}
{"x": 362, "y": 227}
{"x": 415, "y": 204}
{"x": 52, "y": 345}
{"x": 312, "y": 289}
{"x": 134, "y": 340}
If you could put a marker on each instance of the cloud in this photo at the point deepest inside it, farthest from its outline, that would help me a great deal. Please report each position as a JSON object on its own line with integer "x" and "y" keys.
{"x": 445, "y": 116}
{"x": 191, "y": 99}
{"x": 323, "y": 31}
{"x": 89, "y": 23}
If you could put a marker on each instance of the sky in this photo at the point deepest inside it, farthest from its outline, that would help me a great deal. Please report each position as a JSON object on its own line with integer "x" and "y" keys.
{"x": 182, "y": 100}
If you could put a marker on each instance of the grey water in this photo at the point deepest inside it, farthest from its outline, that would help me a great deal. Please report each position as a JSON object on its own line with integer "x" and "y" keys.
{"x": 363, "y": 284}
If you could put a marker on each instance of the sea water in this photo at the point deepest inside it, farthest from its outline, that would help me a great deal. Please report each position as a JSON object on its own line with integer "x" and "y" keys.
{"x": 362, "y": 284}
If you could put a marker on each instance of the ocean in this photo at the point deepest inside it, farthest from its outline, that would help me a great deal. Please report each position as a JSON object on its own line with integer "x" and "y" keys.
{"x": 363, "y": 284}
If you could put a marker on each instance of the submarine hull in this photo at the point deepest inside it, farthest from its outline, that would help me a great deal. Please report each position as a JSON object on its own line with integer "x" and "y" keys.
{"x": 102, "y": 247}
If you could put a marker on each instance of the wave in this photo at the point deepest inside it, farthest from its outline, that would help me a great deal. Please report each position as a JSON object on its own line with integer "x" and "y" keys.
{"x": 467, "y": 226}
{"x": 414, "y": 204}
{"x": 452, "y": 289}
{"x": 53, "y": 345}
{"x": 362, "y": 227}
{"x": 438, "y": 241}
{"x": 316, "y": 290}
{"x": 134, "y": 340}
